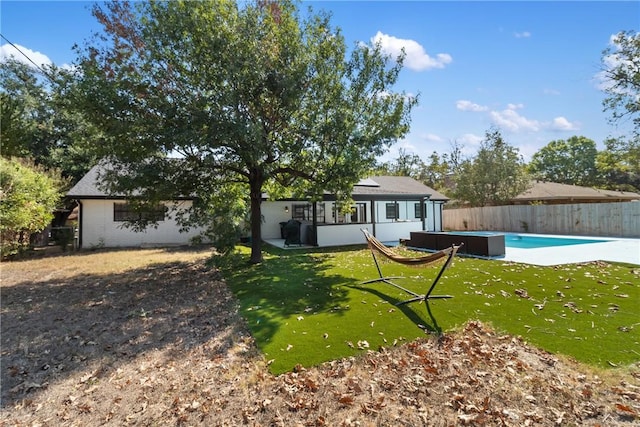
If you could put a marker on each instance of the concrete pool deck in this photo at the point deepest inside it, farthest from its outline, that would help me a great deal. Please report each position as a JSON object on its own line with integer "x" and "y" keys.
{"x": 613, "y": 250}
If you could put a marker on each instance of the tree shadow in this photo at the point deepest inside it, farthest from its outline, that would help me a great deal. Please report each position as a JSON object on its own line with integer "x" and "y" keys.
{"x": 431, "y": 325}
{"x": 53, "y": 328}
{"x": 286, "y": 283}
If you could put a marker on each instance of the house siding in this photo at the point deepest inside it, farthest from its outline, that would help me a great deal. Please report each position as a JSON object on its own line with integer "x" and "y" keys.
{"x": 332, "y": 233}
{"x": 100, "y": 230}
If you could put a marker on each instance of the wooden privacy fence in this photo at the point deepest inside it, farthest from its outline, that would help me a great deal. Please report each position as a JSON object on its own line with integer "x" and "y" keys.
{"x": 586, "y": 219}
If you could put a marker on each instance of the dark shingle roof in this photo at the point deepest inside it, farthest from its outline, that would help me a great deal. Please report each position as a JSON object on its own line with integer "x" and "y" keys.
{"x": 87, "y": 187}
{"x": 395, "y": 185}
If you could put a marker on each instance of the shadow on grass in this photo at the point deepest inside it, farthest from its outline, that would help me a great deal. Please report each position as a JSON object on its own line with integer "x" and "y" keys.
{"x": 286, "y": 283}
{"x": 53, "y": 328}
{"x": 429, "y": 324}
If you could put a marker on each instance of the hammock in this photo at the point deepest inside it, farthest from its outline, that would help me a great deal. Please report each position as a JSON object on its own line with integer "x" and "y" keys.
{"x": 377, "y": 246}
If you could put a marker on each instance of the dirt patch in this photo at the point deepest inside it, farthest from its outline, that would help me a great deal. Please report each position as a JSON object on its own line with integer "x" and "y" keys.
{"x": 153, "y": 337}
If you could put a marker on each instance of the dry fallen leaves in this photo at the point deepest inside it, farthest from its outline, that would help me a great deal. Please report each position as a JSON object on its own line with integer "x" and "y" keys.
{"x": 190, "y": 361}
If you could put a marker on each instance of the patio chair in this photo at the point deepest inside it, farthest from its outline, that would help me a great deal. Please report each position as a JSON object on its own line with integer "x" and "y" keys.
{"x": 378, "y": 247}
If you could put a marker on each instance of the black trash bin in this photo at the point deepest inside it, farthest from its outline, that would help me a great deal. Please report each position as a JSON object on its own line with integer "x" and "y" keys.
{"x": 292, "y": 232}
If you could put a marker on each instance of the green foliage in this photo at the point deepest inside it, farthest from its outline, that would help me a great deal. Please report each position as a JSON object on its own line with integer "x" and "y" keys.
{"x": 246, "y": 94}
{"x": 28, "y": 197}
{"x": 24, "y": 116}
{"x": 222, "y": 216}
{"x": 433, "y": 174}
{"x": 621, "y": 69}
{"x": 405, "y": 164}
{"x": 619, "y": 164}
{"x": 38, "y": 122}
{"x": 309, "y": 307}
{"x": 495, "y": 176}
{"x": 436, "y": 171}
{"x": 568, "y": 162}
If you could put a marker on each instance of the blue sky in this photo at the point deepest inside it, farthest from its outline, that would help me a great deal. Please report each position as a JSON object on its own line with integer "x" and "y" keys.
{"x": 529, "y": 68}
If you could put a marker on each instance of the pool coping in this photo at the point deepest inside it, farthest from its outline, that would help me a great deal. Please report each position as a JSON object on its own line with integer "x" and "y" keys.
{"x": 611, "y": 249}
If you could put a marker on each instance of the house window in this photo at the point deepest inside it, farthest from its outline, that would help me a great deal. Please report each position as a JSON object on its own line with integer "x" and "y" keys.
{"x": 126, "y": 212}
{"x": 359, "y": 213}
{"x": 393, "y": 210}
{"x": 304, "y": 212}
{"x": 301, "y": 212}
{"x": 417, "y": 210}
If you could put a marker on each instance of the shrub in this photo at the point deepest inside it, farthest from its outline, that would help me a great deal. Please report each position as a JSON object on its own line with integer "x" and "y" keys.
{"x": 28, "y": 196}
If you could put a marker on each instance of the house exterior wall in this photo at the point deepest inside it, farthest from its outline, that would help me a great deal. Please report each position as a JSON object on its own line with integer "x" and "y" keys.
{"x": 273, "y": 214}
{"x": 100, "y": 230}
{"x": 393, "y": 232}
{"x": 340, "y": 230}
{"x": 350, "y": 234}
{"x": 340, "y": 234}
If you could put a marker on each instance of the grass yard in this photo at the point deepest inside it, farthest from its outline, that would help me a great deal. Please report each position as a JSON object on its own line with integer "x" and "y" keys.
{"x": 156, "y": 337}
{"x": 308, "y": 307}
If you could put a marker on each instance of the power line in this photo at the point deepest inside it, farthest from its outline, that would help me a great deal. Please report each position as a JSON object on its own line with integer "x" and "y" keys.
{"x": 39, "y": 67}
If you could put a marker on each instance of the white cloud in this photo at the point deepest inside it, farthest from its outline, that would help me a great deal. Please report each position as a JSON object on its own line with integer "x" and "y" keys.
{"x": 471, "y": 139}
{"x": 510, "y": 119}
{"x": 7, "y": 51}
{"x": 465, "y": 105}
{"x": 416, "y": 57}
{"x": 431, "y": 137}
{"x": 522, "y": 35}
{"x": 515, "y": 106}
{"x": 562, "y": 124}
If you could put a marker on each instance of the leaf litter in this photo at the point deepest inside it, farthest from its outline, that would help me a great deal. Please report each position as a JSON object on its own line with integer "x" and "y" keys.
{"x": 189, "y": 360}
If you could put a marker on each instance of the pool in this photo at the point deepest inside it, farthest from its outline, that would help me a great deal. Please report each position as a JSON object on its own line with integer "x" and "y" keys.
{"x": 533, "y": 241}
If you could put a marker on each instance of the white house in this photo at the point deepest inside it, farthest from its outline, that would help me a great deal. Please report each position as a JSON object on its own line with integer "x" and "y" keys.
{"x": 389, "y": 206}
{"x": 101, "y": 219}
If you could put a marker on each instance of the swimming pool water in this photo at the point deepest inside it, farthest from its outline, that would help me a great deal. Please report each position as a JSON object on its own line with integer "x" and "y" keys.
{"x": 525, "y": 241}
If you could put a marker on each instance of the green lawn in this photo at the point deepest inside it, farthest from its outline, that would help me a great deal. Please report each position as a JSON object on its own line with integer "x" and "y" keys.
{"x": 308, "y": 307}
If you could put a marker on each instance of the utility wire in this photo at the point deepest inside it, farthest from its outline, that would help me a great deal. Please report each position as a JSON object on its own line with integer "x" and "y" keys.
{"x": 39, "y": 67}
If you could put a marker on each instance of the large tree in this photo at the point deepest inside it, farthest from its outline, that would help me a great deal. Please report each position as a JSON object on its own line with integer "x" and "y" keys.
{"x": 251, "y": 95}
{"x": 619, "y": 164}
{"x": 571, "y": 161}
{"x": 494, "y": 176}
{"x": 37, "y": 121}
{"x": 406, "y": 164}
{"x": 621, "y": 72}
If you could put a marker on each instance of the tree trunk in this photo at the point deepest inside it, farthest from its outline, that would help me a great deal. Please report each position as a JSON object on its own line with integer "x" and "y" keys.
{"x": 255, "y": 184}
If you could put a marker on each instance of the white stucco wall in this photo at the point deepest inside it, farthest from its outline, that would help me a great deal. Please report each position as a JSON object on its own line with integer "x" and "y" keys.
{"x": 341, "y": 234}
{"x": 331, "y": 234}
{"x": 273, "y": 213}
{"x": 100, "y": 230}
{"x": 394, "y": 231}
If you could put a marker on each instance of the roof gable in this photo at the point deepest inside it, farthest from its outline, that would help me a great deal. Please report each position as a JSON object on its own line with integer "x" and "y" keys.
{"x": 88, "y": 185}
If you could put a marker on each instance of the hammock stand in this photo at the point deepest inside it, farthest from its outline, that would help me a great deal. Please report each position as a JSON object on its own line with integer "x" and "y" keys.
{"x": 376, "y": 246}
